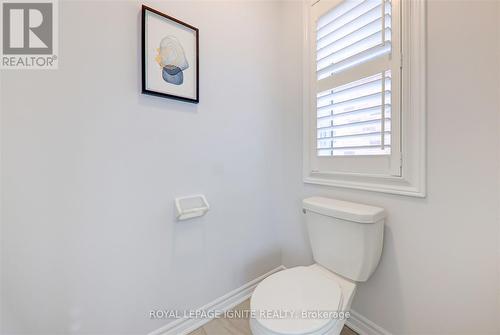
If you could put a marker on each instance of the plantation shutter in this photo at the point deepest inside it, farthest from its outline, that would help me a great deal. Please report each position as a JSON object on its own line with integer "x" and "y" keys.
{"x": 356, "y": 75}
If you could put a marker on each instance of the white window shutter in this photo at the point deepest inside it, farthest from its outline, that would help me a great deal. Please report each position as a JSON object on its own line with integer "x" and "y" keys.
{"x": 354, "y": 118}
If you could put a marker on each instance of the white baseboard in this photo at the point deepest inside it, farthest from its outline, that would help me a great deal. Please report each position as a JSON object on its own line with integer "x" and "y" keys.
{"x": 356, "y": 322}
{"x": 224, "y": 303}
{"x": 363, "y": 326}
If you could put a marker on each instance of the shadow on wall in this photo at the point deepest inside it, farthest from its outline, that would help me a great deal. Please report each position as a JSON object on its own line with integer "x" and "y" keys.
{"x": 299, "y": 251}
{"x": 191, "y": 257}
{"x": 387, "y": 271}
{"x": 189, "y": 240}
{"x": 256, "y": 266}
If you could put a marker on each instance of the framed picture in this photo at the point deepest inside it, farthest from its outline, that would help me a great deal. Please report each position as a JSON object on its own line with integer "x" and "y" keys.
{"x": 169, "y": 57}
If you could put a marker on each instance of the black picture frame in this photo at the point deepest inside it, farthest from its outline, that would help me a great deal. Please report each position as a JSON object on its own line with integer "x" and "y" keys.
{"x": 145, "y": 9}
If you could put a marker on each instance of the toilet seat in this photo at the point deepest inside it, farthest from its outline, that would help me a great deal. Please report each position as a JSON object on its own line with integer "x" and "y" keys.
{"x": 292, "y": 292}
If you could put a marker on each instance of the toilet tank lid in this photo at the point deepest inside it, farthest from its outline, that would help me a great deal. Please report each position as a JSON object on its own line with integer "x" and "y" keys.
{"x": 344, "y": 210}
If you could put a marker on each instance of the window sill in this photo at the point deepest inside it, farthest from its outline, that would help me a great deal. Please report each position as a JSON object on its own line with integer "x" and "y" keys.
{"x": 391, "y": 185}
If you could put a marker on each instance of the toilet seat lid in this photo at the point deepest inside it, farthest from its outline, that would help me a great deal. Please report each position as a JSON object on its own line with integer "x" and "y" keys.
{"x": 296, "y": 290}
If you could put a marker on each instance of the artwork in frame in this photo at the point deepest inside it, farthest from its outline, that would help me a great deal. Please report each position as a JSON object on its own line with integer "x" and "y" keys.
{"x": 169, "y": 57}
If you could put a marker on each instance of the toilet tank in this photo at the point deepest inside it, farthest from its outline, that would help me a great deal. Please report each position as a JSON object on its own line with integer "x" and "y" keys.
{"x": 346, "y": 237}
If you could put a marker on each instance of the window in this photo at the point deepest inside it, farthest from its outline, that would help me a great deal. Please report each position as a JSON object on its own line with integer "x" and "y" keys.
{"x": 364, "y": 114}
{"x": 355, "y": 118}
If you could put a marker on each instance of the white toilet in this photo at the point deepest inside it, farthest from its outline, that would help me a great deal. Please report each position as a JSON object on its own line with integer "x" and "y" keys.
{"x": 346, "y": 240}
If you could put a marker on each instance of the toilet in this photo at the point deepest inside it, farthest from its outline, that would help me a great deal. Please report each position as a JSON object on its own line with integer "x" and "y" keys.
{"x": 346, "y": 240}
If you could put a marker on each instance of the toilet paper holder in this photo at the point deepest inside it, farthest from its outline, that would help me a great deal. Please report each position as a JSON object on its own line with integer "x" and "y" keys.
{"x": 191, "y": 206}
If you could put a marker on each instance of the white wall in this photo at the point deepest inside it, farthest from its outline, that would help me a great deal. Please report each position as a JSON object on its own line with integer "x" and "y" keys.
{"x": 439, "y": 272}
{"x": 91, "y": 167}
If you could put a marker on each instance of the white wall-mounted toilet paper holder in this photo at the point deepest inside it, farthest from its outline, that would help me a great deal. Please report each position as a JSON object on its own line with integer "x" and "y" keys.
{"x": 191, "y": 206}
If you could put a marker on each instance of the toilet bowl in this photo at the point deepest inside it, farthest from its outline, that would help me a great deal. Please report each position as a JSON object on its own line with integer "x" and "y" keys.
{"x": 307, "y": 292}
{"x": 346, "y": 241}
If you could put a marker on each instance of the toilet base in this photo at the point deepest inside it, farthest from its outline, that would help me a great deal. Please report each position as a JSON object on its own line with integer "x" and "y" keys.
{"x": 335, "y": 330}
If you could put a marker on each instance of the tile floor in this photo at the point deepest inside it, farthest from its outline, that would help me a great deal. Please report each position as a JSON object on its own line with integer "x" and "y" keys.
{"x": 237, "y": 326}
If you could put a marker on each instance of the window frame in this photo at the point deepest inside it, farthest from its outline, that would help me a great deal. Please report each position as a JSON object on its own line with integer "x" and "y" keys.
{"x": 412, "y": 179}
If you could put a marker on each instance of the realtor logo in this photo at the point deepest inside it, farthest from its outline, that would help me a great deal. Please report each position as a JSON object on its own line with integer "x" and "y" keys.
{"x": 29, "y": 34}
